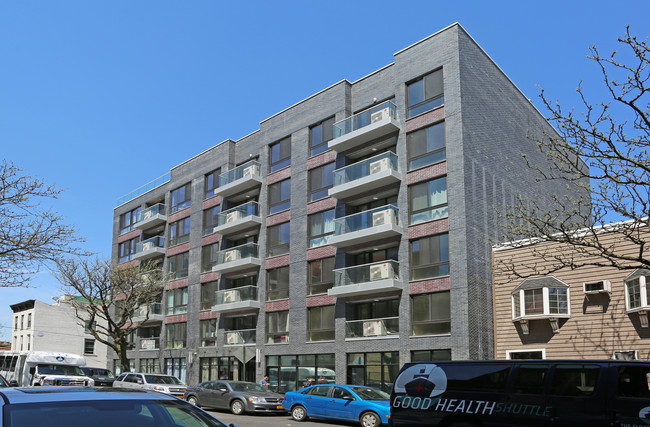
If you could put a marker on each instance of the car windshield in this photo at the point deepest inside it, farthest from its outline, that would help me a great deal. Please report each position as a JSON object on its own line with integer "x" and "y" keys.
{"x": 369, "y": 393}
{"x": 247, "y": 387}
{"x": 105, "y": 413}
{"x": 48, "y": 369}
{"x": 163, "y": 379}
{"x": 99, "y": 373}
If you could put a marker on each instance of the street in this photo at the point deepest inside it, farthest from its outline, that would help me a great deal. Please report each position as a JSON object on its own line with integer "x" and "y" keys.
{"x": 268, "y": 420}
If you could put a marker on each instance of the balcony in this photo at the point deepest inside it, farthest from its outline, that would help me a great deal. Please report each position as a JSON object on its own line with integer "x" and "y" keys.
{"x": 367, "y": 226}
{"x": 150, "y": 343}
{"x": 372, "y": 328}
{"x": 241, "y": 337}
{"x": 240, "y": 179}
{"x": 366, "y": 175}
{"x": 244, "y": 297}
{"x": 150, "y": 248}
{"x": 366, "y": 279}
{"x": 238, "y": 218}
{"x": 150, "y": 217}
{"x": 237, "y": 258}
{"x": 365, "y": 126}
{"x": 149, "y": 312}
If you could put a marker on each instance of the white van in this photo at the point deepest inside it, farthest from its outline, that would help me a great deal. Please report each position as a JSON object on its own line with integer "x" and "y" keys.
{"x": 42, "y": 368}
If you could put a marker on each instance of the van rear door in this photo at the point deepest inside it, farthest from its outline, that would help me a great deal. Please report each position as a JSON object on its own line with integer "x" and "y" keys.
{"x": 630, "y": 403}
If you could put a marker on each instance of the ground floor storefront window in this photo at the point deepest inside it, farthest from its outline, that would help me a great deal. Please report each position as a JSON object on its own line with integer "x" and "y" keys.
{"x": 373, "y": 369}
{"x": 226, "y": 368}
{"x": 177, "y": 367}
{"x": 289, "y": 373}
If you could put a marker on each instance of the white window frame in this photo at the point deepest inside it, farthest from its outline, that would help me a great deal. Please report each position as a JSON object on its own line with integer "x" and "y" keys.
{"x": 644, "y": 296}
{"x": 509, "y": 352}
{"x": 547, "y": 310}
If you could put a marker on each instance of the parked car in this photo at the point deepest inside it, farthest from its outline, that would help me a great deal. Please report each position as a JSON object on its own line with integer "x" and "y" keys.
{"x": 97, "y": 407}
{"x": 368, "y": 405}
{"x": 158, "y": 382}
{"x": 103, "y": 377}
{"x": 238, "y": 396}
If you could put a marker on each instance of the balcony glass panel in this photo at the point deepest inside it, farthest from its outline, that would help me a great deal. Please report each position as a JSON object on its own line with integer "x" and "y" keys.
{"x": 372, "y": 328}
{"x": 371, "y": 218}
{"x": 147, "y": 187}
{"x": 152, "y": 309}
{"x": 150, "y": 212}
{"x": 244, "y": 293}
{"x": 149, "y": 244}
{"x": 241, "y": 211}
{"x": 250, "y": 168}
{"x": 247, "y": 250}
{"x": 366, "y": 273}
{"x": 150, "y": 343}
{"x": 365, "y": 118}
{"x": 241, "y": 337}
{"x": 365, "y": 168}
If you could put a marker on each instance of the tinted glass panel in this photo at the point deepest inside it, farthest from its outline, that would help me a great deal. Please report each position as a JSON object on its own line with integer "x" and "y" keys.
{"x": 486, "y": 378}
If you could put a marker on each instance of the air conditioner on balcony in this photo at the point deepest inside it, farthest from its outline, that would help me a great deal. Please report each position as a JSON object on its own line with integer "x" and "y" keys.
{"x": 250, "y": 170}
{"x": 381, "y": 271}
{"x": 231, "y": 256}
{"x": 230, "y": 296}
{"x": 379, "y": 115}
{"x": 233, "y": 216}
{"x": 387, "y": 216}
{"x": 147, "y": 214}
{"x": 233, "y": 338}
{"x": 372, "y": 329}
{"x": 380, "y": 165}
{"x": 602, "y": 286}
{"x": 147, "y": 246}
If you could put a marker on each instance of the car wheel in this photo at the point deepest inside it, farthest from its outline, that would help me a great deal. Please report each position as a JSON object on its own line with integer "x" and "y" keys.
{"x": 370, "y": 419}
{"x": 299, "y": 413}
{"x": 237, "y": 407}
{"x": 193, "y": 400}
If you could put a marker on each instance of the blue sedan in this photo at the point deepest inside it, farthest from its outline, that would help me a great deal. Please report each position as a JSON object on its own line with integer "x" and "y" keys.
{"x": 368, "y": 405}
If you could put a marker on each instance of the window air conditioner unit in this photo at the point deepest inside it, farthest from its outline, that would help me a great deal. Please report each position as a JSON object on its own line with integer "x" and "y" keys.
{"x": 147, "y": 214}
{"x": 381, "y": 271}
{"x": 380, "y": 165}
{"x": 379, "y": 115}
{"x": 230, "y": 296}
{"x": 233, "y": 338}
{"x": 387, "y": 216}
{"x": 601, "y": 286}
{"x": 250, "y": 170}
{"x": 626, "y": 355}
{"x": 233, "y": 216}
{"x": 147, "y": 246}
{"x": 231, "y": 256}
{"x": 372, "y": 328}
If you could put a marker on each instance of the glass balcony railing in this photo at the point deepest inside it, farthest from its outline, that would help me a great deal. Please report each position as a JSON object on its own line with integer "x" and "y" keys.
{"x": 243, "y": 293}
{"x": 241, "y": 337}
{"x": 150, "y": 244}
{"x": 150, "y": 212}
{"x": 366, "y": 273}
{"x": 250, "y": 168}
{"x": 238, "y": 212}
{"x": 150, "y": 309}
{"x": 364, "y": 118}
{"x": 371, "y": 328}
{"x": 147, "y": 187}
{"x": 367, "y": 219}
{"x": 150, "y": 343}
{"x": 364, "y": 168}
{"x": 247, "y": 250}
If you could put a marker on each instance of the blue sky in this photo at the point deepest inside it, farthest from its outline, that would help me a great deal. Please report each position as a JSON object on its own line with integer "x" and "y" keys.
{"x": 100, "y": 97}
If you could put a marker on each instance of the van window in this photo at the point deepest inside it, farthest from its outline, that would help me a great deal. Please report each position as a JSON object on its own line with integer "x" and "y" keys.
{"x": 477, "y": 377}
{"x": 633, "y": 381}
{"x": 530, "y": 381}
{"x": 575, "y": 381}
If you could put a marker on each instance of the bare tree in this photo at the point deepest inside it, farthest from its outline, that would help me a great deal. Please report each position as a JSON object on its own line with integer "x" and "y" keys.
{"x": 111, "y": 297}
{"x": 30, "y": 236}
{"x": 605, "y": 151}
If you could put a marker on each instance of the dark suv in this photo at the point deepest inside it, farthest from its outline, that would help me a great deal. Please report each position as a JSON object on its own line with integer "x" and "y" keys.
{"x": 103, "y": 377}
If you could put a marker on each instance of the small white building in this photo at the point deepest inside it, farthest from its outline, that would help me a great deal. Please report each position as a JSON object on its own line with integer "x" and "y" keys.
{"x": 41, "y": 326}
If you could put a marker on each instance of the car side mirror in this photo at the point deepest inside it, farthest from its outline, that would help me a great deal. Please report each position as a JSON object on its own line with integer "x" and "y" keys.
{"x": 32, "y": 370}
{"x": 224, "y": 389}
{"x": 350, "y": 398}
{"x": 13, "y": 383}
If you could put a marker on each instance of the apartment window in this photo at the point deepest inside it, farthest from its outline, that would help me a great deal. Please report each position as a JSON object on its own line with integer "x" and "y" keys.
{"x": 90, "y": 326}
{"x": 320, "y": 227}
{"x": 277, "y": 242}
{"x": 130, "y": 340}
{"x": 29, "y": 320}
{"x": 150, "y": 366}
{"x": 117, "y": 366}
{"x": 127, "y": 249}
{"x": 320, "y": 275}
{"x": 179, "y": 265}
{"x": 176, "y": 334}
{"x": 320, "y": 180}
{"x": 177, "y": 367}
{"x": 208, "y": 333}
{"x": 280, "y": 154}
{"x": 369, "y": 257}
{"x": 179, "y": 232}
{"x": 128, "y": 219}
{"x": 637, "y": 291}
{"x": 177, "y": 301}
{"x": 209, "y": 294}
{"x": 426, "y": 146}
{"x": 425, "y": 93}
{"x": 428, "y": 201}
{"x": 431, "y": 314}
{"x": 319, "y": 135}
{"x": 376, "y": 369}
{"x": 211, "y": 219}
{"x": 22, "y": 322}
{"x": 321, "y": 323}
{"x": 209, "y": 257}
{"x": 280, "y": 196}
{"x": 29, "y": 342}
{"x": 211, "y": 183}
{"x": 430, "y": 355}
{"x": 277, "y": 284}
{"x": 277, "y": 327}
{"x": 540, "y": 297}
{"x": 89, "y": 346}
{"x": 430, "y": 257}
{"x": 16, "y": 323}
{"x": 181, "y": 197}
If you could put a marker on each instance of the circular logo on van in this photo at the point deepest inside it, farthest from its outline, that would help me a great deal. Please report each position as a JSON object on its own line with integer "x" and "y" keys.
{"x": 644, "y": 414}
{"x": 422, "y": 380}
{"x": 60, "y": 358}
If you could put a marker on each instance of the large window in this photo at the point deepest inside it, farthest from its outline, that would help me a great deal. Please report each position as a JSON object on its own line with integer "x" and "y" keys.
{"x": 179, "y": 232}
{"x": 430, "y": 355}
{"x": 280, "y": 154}
{"x": 209, "y": 256}
{"x": 277, "y": 327}
{"x": 177, "y": 367}
{"x": 176, "y": 335}
{"x": 428, "y": 201}
{"x": 320, "y": 275}
{"x": 320, "y": 226}
{"x": 431, "y": 314}
{"x": 426, "y": 146}
{"x": 128, "y": 219}
{"x": 320, "y": 180}
{"x": 430, "y": 257}
{"x": 211, "y": 183}
{"x": 373, "y": 369}
{"x": 540, "y": 297}
{"x": 321, "y": 323}
{"x": 177, "y": 301}
{"x": 425, "y": 93}
{"x": 277, "y": 242}
{"x": 127, "y": 249}
{"x": 210, "y": 219}
{"x": 181, "y": 197}
{"x": 179, "y": 265}
{"x": 150, "y": 366}
{"x": 208, "y": 333}
{"x": 289, "y": 372}
{"x": 637, "y": 290}
{"x": 277, "y": 284}
{"x": 280, "y": 196}
{"x": 89, "y": 346}
{"x": 209, "y": 294}
{"x": 319, "y": 135}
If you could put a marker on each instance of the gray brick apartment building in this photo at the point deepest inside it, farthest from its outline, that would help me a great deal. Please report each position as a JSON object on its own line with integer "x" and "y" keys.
{"x": 348, "y": 235}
